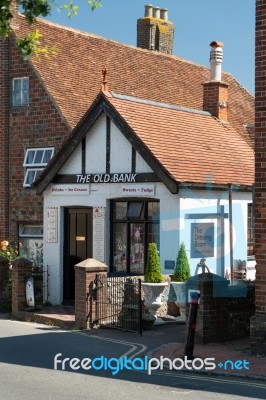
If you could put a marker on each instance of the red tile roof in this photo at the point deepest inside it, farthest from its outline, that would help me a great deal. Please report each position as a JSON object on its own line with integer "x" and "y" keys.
{"x": 188, "y": 146}
{"x": 73, "y": 78}
{"x": 192, "y": 147}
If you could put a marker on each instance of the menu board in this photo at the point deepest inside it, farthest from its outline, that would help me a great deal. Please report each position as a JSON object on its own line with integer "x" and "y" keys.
{"x": 51, "y": 224}
{"x": 98, "y": 233}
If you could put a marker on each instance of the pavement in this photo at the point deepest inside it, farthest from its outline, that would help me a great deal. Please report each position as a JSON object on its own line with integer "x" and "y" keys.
{"x": 232, "y": 358}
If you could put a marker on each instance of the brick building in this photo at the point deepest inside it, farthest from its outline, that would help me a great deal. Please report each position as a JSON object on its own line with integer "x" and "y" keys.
{"x": 43, "y": 102}
{"x": 258, "y": 323}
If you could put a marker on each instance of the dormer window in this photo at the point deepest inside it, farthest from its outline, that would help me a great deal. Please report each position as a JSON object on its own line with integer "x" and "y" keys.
{"x": 20, "y": 92}
{"x": 35, "y": 160}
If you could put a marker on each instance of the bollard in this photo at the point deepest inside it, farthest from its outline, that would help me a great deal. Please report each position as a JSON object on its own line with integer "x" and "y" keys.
{"x": 189, "y": 347}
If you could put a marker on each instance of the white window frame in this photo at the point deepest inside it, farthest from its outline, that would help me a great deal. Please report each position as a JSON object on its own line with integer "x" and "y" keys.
{"x": 36, "y": 150}
{"x": 24, "y": 93}
{"x": 34, "y": 166}
{"x": 36, "y": 170}
{"x": 30, "y": 235}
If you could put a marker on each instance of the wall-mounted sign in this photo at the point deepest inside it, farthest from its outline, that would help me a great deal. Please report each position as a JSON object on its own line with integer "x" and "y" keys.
{"x": 106, "y": 178}
{"x": 30, "y": 291}
{"x": 169, "y": 264}
{"x": 70, "y": 189}
{"x": 138, "y": 190}
{"x": 202, "y": 240}
{"x": 98, "y": 233}
{"x": 51, "y": 218}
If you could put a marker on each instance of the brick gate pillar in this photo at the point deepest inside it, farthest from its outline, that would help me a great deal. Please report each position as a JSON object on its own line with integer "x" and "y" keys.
{"x": 212, "y": 309}
{"x": 258, "y": 322}
{"x": 85, "y": 273}
{"x": 21, "y": 268}
{"x": 4, "y": 285}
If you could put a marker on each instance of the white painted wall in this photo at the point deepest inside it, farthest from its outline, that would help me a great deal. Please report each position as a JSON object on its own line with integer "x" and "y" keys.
{"x": 120, "y": 151}
{"x": 198, "y": 202}
{"x": 96, "y": 147}
{"x": 141, "y": 165}
{"x": 73, "y": 164}
{"x": 174, "y": 227}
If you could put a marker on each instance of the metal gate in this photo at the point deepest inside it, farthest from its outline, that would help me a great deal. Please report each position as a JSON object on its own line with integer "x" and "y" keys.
{"x": 118, "y": 303}
{"x": 40, "y": 276}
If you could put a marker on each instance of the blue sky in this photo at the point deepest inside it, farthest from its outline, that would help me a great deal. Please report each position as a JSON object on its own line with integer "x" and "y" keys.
{"x": 197, "y": 23}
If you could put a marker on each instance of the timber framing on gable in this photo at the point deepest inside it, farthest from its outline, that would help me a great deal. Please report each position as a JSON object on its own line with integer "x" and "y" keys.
{"x": 102, "y": 105}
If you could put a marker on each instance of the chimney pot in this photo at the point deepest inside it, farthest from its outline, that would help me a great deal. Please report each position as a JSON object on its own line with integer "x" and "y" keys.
{"x": 164, "y": 14}
{"x": 216, "y": 59}
{"x": 155, "y": 31}
{"x": 215, "y": 92}
{"x": 148, "y": 11}
{"x": 156, "y": 12}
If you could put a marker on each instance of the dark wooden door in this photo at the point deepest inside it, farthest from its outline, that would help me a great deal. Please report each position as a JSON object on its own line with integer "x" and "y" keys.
{"x": 77, "y": 247}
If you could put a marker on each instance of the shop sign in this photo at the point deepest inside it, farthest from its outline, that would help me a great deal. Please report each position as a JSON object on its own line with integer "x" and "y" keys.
{"x": 106, "y": 178}
{"x": 202, "y": 240}
{"x": 138, "y": 190}
{"x": 70, "y": 189}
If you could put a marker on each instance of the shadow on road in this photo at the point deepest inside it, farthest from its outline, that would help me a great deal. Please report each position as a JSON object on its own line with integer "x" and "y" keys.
{"x": 34, "y": 345}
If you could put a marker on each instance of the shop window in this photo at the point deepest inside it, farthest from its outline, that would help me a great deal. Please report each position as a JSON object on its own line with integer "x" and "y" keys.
{"x": 20, "y": 92}
{"x": 34, "y": 161}
{"x": 31, "y": 243}
{"x": 250, "y": 233}
{"x": 134, "y": 224}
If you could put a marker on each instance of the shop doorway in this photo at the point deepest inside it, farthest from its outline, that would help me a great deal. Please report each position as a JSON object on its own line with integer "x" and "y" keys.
{"x": 77, "y": 246}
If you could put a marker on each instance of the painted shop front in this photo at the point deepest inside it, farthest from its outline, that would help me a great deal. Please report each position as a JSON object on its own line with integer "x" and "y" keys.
{"x": 107, "y": 195}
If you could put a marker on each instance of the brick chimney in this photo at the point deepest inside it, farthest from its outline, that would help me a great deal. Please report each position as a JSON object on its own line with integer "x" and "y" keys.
{"x": 154, "y": 31}
{"x": 215, "y": 91}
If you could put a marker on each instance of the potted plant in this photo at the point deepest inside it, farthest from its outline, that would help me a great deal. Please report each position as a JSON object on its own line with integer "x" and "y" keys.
{"x": 181, "y": 274}
{"x": 154, "y": 284}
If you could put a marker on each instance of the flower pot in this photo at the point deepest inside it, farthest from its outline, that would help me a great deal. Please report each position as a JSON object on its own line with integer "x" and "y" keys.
{"x": 181, "y": 296}
{"x": 153, "y": 295}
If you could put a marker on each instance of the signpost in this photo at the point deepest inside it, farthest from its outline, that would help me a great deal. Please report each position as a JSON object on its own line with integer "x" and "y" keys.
{"x": 203, "y": 248}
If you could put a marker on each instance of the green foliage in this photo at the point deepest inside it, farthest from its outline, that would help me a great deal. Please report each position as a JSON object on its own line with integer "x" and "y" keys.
{"x": 31, "y": 45}
{"x": 32, "y": 9}
{"x": 182, "y": 269}
{"x": 153, "y": 271}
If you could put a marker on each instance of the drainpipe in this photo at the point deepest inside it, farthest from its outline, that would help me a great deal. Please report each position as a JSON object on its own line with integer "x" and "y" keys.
{"x": 231, "y": 232}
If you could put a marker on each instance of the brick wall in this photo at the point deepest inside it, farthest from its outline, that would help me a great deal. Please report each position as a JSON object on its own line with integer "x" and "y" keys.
{"x": 224, "y": 311}
{"x": 4, "y": 285}
{"x": 258, "y": 323}
{"x": 39, "y": 124}
{"x": 4, "y": 134}
{"x": 21, "y": 268}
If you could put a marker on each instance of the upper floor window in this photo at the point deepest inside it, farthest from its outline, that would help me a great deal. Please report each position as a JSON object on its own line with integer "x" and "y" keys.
{"x": 20, "y": 92}
{"x": 35, "y": 160}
